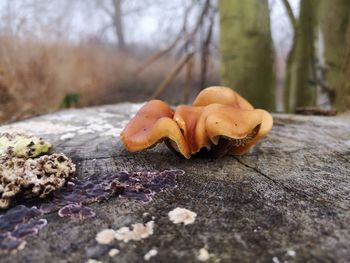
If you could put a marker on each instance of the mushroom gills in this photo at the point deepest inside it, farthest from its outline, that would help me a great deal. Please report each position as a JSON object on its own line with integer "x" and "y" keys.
{"x": 225, "y": 144}
{"x": 172, "y": 146}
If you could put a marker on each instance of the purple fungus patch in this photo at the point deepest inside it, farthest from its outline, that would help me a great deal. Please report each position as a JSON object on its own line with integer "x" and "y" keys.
{"x": 143, "y": 185}
{"x": 17, "y": 215}
{"x": 16, "y": 224}
{"x": 9, "y": 243}
{"x": 21, "y": 221}
{"x": 140, "y": 186}
{"x": 30, "y": 228}
{"x": 47, "y": 208}
{"x": 76, "y": 211}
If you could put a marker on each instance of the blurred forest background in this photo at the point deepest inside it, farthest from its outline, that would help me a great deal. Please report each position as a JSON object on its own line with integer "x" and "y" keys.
{"x": 282, "y": 55}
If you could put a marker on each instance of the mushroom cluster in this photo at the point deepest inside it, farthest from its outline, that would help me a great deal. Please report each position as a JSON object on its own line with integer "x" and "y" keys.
{"x": 219, "y": 120}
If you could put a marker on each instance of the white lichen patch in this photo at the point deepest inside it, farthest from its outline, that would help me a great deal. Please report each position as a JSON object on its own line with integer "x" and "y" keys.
{"x": 203, "y": 255}
{"x": 67, "y": 136}
{"x": 18, "y": 145}
{"x": 112, "y": 132}
{"x": 77, "y": 122}
{"x": 98, "y": 125}
{"x": 38, "y": 127}
{"x": 85, "y": 131}
{"x": 153, "y": 252}
{"x": 106, "y": 236}
{"x": 91, "y": 260}
{"x": 63, "y": 116}
{"x": 291, "y": 253}
{"x": 113, "y": 252}
{"x": 139, "y": 231}
{"x": 39, "y": 176}
{"x": 182, "y": 215}
{"x": 105, "y": 115}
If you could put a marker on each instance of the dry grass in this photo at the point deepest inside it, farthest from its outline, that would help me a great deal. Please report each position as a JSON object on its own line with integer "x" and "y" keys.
{"x": 35, "y": 76}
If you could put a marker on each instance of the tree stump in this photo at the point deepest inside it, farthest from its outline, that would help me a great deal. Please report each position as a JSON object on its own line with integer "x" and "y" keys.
{"x": 287, "y": 200}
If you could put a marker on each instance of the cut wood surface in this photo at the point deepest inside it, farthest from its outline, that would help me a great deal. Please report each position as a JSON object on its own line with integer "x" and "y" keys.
{"x": 287, "y": 200}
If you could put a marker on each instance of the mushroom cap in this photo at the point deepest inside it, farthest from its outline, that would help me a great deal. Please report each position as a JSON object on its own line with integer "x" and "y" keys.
{"x": 188, "y": 119}
{"x": 153, "y": 123}
{"x": 221, "y": 95}
{"x": 229, "y": 122}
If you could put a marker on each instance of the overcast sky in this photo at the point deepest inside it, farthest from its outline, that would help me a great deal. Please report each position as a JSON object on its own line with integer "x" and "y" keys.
{"x": 153, "y": 25}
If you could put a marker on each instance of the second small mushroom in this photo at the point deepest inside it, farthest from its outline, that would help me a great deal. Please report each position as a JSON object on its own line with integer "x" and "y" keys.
{"x": 219, "y": 120}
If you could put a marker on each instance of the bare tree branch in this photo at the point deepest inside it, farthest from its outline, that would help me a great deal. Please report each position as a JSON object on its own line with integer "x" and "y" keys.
{"x": 201, "y": 16}
{"x": 205, "y": 53}
{"x": 188, "y": 82}
{"x": 118, "y": 23}
{"x": 180, "y": 36}
{"x": 115, "y": 14}
{"x": 171, "y": 76}
{"x": 200, "y": 21}
{"x": 158, "y": 55}
{"x": 100, "y": 4}
{"x": 292, "y": 19}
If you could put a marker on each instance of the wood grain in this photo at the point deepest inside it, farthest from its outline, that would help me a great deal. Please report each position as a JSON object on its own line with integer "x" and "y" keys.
{"x": 291, "y": 193}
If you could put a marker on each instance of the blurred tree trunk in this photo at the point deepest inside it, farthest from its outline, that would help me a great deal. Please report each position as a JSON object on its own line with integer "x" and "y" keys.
{"x": 300, "y": 86}
{"x": 335, "y": 24}
{"x": 246, "y": 50}
{"x": 118, "y": 24}
{"x": 342, "y": 98}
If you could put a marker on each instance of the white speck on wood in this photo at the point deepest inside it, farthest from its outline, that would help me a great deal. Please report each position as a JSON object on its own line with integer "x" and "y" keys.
{"x": 153, "y": 252}
{"x": 182, "y": 215}
{"x": 113, "y": 252}
{"x": 106, "y": 236}
{"x": 203, "y": 255}
{"x": 91, "y": 260}
{"x": 138, "y": 232}
{"x": 291, "y": 253}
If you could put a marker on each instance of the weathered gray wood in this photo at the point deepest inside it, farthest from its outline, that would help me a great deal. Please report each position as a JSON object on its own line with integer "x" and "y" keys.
{"x": 292, "y": 192}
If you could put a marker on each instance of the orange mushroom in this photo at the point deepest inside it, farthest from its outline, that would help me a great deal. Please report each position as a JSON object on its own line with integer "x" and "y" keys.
{"x": 153, "y": 123}
{"x": 219, "y": 120}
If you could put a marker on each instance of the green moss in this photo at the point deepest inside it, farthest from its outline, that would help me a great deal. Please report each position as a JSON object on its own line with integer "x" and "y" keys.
{"x": 246, "y": 51}
{"x": 18, "y": 145}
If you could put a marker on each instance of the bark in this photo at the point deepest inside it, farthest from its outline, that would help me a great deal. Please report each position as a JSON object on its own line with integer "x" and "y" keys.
{"x": 246, "y": 50}
{"x": 300, "y": 86}
{"x": 342, "y": 98}
{"x": 291, "y": 193}
{"x": 335, "y": 23}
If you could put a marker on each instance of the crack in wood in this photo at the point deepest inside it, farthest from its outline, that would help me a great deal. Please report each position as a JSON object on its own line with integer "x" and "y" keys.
{"x": 302, "y": 194}
{"x": 295, "y": 191}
